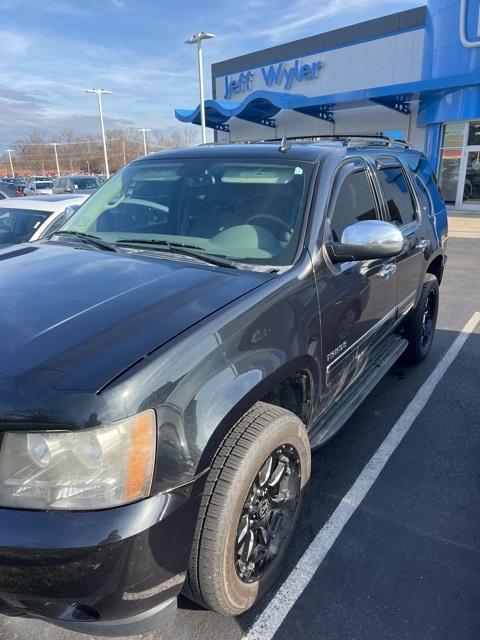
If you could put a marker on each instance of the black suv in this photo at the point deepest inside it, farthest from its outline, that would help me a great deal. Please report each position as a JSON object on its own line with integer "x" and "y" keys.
{"x": 169, "y": 358}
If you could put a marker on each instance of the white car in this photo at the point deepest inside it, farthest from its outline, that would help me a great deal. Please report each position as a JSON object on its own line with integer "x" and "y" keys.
{"x": 38, "y": 186}
{"x": 28, "y": 219}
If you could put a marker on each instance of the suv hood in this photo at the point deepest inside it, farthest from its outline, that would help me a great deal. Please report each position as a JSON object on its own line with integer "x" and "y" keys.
{"x": 75, "y": 318}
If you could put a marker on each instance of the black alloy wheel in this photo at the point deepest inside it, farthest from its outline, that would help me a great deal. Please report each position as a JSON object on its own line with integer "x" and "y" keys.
{"x": 429, "y": 318}
{"x": 268, "y": 514}
{"x": 420, "y": 328}
{"x": 250, "y": 507}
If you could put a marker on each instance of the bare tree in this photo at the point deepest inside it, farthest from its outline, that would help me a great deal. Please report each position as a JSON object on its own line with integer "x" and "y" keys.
{"x": 34, "y": 154}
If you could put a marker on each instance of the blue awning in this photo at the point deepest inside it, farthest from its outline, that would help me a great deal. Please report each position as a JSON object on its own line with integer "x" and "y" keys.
{"x": 261, "y": 107}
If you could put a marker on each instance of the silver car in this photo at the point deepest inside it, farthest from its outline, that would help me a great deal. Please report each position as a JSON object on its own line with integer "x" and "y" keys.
{"x": 32, "y": 218}
{"x": 38, "y": 185}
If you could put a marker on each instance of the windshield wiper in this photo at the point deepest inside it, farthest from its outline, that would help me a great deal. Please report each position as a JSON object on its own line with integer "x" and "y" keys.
{"x": 95, "y": 241}
{"x": 182, "y": 249}
{"x": 159, "y": 241}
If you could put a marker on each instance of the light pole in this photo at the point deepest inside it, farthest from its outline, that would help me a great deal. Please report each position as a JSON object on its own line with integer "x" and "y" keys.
{"x": 197, "y": 39}
{"x": 9, "y": 151}
{"x": 100, "y": 93}
{"x": 54, "y": 145}
{"x": 88, "y": 167}
{"x": 43, "y": 167}
{"x": 124, "y": 154}
{"x": 144, "y": 131}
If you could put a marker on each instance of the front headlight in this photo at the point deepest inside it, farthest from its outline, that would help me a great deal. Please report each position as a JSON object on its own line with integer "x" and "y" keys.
{"x": 90, "y": 469}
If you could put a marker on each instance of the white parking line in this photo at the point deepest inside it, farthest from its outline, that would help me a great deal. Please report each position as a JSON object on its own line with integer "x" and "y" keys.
{"x": 277, "y": 609}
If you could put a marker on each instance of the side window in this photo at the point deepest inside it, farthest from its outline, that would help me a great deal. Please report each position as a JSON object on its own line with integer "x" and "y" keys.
{"x": 399, "y": 198}
{"x": 424, "y": 196}
{"x": 353, "y": 202}
{"x": 55, "y": 225}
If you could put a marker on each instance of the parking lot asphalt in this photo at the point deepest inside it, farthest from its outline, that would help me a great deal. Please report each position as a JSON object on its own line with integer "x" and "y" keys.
{"x": 406, "y": 564}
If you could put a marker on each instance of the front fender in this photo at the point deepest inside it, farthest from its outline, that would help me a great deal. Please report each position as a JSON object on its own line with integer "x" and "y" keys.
{"x": 204, "y": 380}
{"x": 235, "y": 395}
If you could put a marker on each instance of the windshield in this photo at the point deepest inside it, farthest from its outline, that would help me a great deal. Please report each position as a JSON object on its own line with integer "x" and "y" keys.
{"x": 43, "y": 184}
{"x": 86, "y": 183}
{"x": 247, "y": 211}
{"x": 18, "y": 225}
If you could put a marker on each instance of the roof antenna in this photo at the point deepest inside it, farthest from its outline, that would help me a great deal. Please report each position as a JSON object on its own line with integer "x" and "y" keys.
{"x": 284, "y": 145}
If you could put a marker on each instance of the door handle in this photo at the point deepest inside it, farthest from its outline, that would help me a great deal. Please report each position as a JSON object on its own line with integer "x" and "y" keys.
{"x": 423, "y": 244}
{"x": 386, "y": 271}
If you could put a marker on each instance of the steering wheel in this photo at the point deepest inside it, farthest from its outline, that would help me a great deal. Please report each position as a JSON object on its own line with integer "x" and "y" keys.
{"x": 269, "y": 216}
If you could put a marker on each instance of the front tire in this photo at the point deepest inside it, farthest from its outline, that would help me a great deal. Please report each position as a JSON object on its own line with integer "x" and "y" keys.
{"x": 249, "y": 510}
{"x": 423, "y": 321}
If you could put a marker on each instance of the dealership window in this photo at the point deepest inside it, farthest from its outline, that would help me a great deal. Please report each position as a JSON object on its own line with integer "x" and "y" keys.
{"x": 474, "y": 133}
{"x": 451, "y": 156}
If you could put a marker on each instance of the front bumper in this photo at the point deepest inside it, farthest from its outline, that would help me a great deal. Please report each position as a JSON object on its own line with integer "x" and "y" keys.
{"x": 109, "y": 572}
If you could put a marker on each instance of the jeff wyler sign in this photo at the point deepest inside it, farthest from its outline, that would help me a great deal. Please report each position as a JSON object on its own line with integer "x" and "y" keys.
{"x": 281, "y": 75}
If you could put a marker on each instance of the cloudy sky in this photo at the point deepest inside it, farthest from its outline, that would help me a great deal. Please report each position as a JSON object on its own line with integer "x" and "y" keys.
{"x": 54, "y": 49}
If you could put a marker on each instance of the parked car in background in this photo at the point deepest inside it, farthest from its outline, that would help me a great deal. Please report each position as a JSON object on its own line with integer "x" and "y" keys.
{"x": 8, "y": 191}
{"x": 77, "y": 184}
{"x": 15, "y": 183}
{"x": 31, "y": 218}
{"x": 38, "y": 185}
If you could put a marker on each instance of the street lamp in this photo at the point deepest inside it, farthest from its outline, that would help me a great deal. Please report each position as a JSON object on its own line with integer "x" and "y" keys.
{"x": 144, "y": 131}
{"x": 100, "y": 93}
{"x": 9, "y": 151}
{"x": 197, "y": 39}
{"x": 54, "y": 145}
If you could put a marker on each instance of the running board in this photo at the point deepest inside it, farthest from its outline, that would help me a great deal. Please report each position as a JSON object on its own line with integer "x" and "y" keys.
{"x": 328, "y": 425}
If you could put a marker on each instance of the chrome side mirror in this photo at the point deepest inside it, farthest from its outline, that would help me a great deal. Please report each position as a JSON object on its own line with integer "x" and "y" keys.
{"x": 367, "y": 240}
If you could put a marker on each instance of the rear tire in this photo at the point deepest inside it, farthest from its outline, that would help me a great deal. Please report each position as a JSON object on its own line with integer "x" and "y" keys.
{"x": 421, "y": 325}
{"x": 250, "y": 506}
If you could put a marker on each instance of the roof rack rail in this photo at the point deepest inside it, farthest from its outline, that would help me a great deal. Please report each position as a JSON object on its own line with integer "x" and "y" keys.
{"x": 349, "y": 139}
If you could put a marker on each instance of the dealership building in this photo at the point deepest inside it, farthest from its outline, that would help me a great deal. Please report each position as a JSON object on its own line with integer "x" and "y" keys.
{"x": 413, "y": 75}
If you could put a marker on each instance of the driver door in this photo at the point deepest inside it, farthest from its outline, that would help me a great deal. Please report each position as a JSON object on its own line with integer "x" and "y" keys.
{"x": 357, "y": 299}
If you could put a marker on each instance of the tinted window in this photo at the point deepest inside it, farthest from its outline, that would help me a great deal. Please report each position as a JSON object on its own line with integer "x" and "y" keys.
{"x": 424, "y": 196}
{"x": 44, "y": 184}
{"x": 18, "y": 225}
{"x": 354, "y": 202}
{"x": 400, "y": 203}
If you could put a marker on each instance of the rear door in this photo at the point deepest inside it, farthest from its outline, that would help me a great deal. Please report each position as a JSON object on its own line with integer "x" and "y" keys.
{"x": 401, "y": 209}
{"x": 356, "y": 299}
